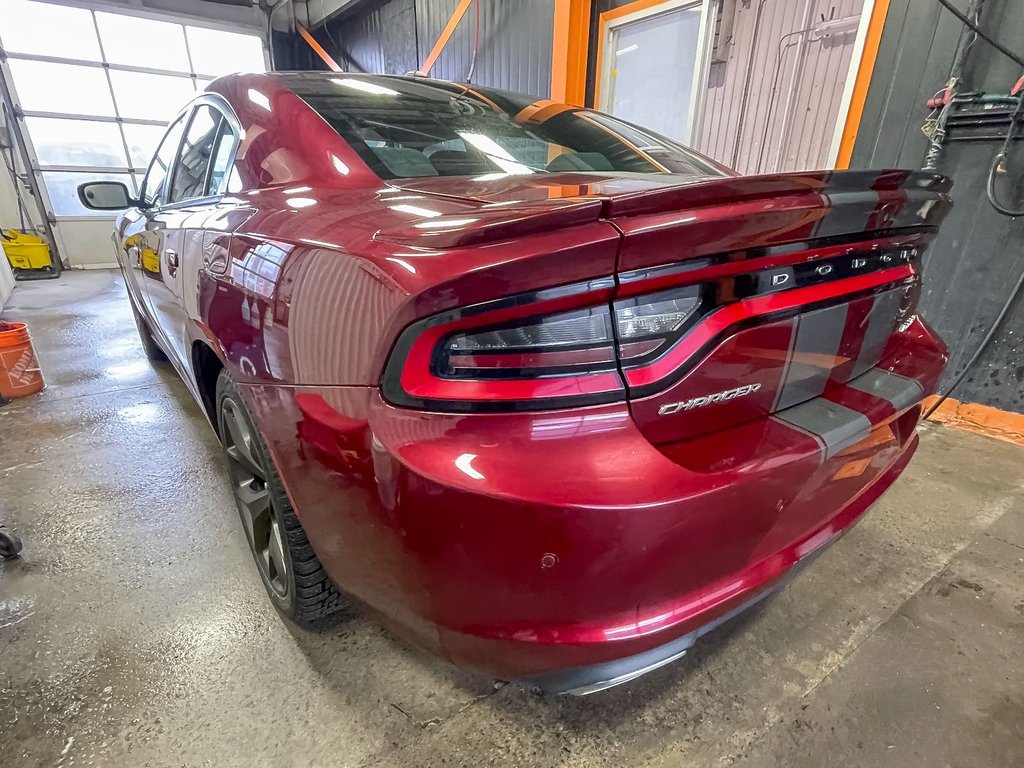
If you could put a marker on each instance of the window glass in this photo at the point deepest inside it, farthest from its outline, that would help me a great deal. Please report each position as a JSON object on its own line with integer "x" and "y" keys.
{"x": 406, "y": 128}
{"x": 220, "y": 165}
{"x": 196, "y": 151}
{"x": 150, "y": 97}
{"x": 142, "y": 42}
{"x": 48, "y": 87}
{"x": 142, "y": 142}
{"x": 152, "y": 184}
{"x": 62, "y": 187}
{"x": 48, "y": 30}
{"x": 218, "y": 53}
{"x": 77, "y": 142}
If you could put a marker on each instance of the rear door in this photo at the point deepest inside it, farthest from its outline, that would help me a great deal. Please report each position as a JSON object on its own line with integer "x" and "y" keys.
{"x": 743, "y": 297}
{"x": 197, "y": 181}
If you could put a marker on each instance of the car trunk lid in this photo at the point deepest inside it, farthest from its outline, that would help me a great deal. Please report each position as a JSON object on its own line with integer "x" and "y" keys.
{"x": 793, "y": 283}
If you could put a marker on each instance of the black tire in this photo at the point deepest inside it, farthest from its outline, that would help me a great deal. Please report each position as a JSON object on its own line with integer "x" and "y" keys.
{"x": 149, "y": 345}
{"x": 10, "y": 545}
{"x": 295, "y": 581}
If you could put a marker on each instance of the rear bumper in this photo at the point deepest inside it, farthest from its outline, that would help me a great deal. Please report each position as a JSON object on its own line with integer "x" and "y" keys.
{"x": 563, "y": 547}
{"x": 582, "y": 681}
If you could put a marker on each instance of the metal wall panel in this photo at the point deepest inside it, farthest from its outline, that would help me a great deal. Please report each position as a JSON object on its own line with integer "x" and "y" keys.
{"x": 394, "y": 36}
{"x": 772, "y": 104}
{"x": 979, "y": 255}
{"x": 515, "y": 43}
{"x": 378, "y": 37}
{"x": 764, "y": 111}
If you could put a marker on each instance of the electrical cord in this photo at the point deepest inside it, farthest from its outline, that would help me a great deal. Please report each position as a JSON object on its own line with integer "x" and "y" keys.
{"x": 993, "y": 200}
{"x": 984, "y": 344}
{"x": 980, "y": 33}
{"x": 476, "y": 42}
{"x": 999, "y": 163}
{"x": 998, "y": 166}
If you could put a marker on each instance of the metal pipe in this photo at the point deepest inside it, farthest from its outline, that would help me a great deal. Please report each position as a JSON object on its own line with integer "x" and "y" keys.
{"x": 747, "y": 76}
{"x": 771, "y": 98}
{"x": 271, "y": 10}
{"x": 801, "y": 57}
{"x": 18, "y": 138}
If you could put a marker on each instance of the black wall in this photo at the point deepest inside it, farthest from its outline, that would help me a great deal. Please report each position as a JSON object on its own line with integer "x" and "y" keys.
{"x": 394, "y": 36}
{"x": 979, "y": 254}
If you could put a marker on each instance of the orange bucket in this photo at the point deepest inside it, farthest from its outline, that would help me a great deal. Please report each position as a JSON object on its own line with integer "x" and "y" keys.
{"x": 19, "y": 369}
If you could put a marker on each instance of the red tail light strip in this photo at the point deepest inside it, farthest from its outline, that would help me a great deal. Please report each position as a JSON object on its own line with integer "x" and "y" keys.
{"x": 721, "y": 319}
{"x": 410, "y": 381}
{"x": 491, "y": 356}
{"x": 713, "y": 268}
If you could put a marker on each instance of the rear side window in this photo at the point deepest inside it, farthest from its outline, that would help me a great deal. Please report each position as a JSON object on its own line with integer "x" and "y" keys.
{"x": 204, "y": 141}
{"x": 156, "y": 174}
{"x": 403, "y": 128}
{"x": 220, "y": 164}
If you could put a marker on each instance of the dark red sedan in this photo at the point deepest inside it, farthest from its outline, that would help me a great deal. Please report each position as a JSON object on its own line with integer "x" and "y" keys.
{"x": 551, "y": 393}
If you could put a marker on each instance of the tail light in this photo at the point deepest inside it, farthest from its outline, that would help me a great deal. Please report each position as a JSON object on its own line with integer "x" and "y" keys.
{"x": 512, "y": 354}
{"x": 648, "y": 325}
{"x": 581, "y": 345}
{"x": 550, "y": 349}
{"x": 565, "y": 343}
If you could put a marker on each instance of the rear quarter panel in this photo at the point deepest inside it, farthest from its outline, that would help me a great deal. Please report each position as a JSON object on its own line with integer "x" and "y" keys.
{"x": 312, "y": 297}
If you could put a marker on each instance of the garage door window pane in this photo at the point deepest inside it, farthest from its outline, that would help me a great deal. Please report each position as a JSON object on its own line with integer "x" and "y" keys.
{"x": 46, "y": 87}
{"x": 142, "y": 142}
{"x": 49, "y": 30}
{"x": 219, "y": 53}
{"x": 63, "y": 189}
{"x": 76, "y": 142}
{"x": 143, "y": 42}
{"x": 150, "y": 97}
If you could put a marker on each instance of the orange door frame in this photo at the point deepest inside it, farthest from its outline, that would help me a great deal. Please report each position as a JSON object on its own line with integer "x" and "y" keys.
{"x": 570, "y": 38}
{"x": 602, "y": 32}
{"x": 860, "y": 88}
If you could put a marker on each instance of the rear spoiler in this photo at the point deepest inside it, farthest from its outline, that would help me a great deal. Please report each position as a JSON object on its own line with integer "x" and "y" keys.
{"x": 749, "y": 188}
{"x": 890, "y": 197}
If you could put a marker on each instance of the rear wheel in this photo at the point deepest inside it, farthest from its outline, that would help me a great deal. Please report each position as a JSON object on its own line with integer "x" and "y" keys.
{"x": 149, "y": 345}
{"x": 293, "y": 576}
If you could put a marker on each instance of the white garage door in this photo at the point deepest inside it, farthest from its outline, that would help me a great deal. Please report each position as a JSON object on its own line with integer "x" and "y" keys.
{"x": 96, "y": 88}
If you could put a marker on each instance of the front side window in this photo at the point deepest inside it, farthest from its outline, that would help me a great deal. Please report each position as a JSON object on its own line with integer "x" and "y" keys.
{"x": 204, "y": 141}
{"x": 405, "y": 128}
{"x": 153, "y": 183}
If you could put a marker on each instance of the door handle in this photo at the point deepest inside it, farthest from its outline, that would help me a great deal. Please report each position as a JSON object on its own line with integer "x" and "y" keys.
{"x": 172, "y": 262}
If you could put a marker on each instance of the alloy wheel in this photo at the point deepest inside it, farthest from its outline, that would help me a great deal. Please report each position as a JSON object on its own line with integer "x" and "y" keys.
{"x": 252, "y": 496}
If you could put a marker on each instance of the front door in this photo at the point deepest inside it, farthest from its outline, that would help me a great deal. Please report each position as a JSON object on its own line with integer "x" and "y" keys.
{"x": 652, "y": 65}
{"x": 141, "y": 229}
{"x": 176, "y": 230}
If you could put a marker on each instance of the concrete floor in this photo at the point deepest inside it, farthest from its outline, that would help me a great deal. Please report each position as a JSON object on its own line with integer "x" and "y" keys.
{"x": 135, "y": 631}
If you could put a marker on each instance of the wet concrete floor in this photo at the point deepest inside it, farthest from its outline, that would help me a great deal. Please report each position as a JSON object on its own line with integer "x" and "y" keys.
{"x": 135, "y": 630}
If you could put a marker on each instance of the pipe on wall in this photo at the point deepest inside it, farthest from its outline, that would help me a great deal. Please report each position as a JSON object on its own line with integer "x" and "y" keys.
{"x": 747, "y": 79}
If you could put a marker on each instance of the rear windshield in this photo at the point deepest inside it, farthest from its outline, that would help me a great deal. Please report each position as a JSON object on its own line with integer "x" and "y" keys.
{"x": 404, "y": 128}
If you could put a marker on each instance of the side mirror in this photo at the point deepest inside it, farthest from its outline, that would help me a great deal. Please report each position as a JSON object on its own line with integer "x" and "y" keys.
{"x": 105, "y": 196}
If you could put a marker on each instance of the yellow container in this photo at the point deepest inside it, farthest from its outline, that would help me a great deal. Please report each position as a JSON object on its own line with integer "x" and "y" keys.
{"x": 25, "y": 251}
